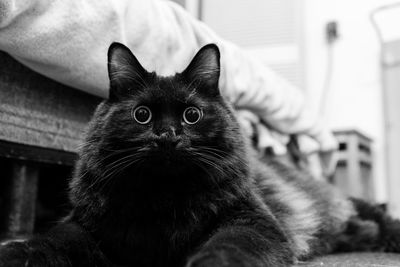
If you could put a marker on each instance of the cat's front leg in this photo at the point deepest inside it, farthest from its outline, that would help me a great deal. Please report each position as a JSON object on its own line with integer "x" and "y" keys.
{"x": 65, "y": 245}
{"x": 250, "y": 242}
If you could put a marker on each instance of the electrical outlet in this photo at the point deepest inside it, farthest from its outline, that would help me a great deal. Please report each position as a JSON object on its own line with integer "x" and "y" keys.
{"x": 331, "y": 31}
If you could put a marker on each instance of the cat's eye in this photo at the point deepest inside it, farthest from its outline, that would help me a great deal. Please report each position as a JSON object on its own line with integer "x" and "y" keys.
{"x": 142, "y": 114}
{"x": 192, "y": 115}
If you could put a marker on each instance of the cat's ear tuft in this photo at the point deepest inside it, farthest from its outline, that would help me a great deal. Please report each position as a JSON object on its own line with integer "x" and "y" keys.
{"x": 205, "y": 69}
{"x": 124, "y": 70}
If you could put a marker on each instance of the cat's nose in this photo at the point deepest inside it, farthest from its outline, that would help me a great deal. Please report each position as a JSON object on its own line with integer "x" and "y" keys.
{"x": 168, "y": 138}
{"x": 166, "y": 132}
{"x": 167, "y": 141}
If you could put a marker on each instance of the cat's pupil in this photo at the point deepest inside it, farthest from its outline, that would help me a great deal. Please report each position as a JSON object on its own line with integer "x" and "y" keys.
{"x": 142, "y": 114}
{"x": 191, "y": 115}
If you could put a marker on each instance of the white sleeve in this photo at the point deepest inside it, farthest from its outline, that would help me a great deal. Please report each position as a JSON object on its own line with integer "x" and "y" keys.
{"x": 68, "y": 41}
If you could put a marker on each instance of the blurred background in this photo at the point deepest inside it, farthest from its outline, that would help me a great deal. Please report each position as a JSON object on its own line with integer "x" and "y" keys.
{"x": 344, "y": 55}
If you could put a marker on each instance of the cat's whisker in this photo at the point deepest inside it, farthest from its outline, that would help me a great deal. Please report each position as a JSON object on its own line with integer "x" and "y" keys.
{"x": 190, "y": 84}
{"x": 114, "y": 167}
{"x": 117, "y": 162}
{"x": 85, "y": 144}
{"x": 212, "y": 159}
{"x": 209, "y": 152}
{"x": 210, "y": 163}
{"x": 120, "y": 162}
{"x": 216, "y": 151}
{"x": 121, "y": 151}
{"x": 212, "y": 177}
{"x": 116, "y": 172}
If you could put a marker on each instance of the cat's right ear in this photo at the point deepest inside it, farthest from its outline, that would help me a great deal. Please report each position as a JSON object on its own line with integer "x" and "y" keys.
{"x": 205, "y": 69}
{"x": 125, "y": 72}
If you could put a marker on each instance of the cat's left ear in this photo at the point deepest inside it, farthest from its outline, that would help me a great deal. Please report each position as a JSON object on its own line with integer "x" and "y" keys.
{"x": 204, "y": 69}
{"x": 125, "y": 72}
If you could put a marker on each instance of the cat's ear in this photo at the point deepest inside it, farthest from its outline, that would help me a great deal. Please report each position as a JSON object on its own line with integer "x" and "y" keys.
{"x": 124, "y": 70}
{"x": 205, "y": 69}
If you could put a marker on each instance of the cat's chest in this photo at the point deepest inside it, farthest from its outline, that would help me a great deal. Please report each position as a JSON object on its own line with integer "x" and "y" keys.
{"x": 155, "y": 240}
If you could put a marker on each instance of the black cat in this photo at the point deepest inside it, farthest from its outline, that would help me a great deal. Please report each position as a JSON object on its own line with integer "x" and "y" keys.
{"x": 165, "y": 178}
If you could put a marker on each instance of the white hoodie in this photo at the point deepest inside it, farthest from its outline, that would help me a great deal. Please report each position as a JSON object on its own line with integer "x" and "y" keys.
{"x": 67, "y": 40}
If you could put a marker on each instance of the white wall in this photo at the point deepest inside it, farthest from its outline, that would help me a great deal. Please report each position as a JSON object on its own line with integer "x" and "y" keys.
{"x": 355, "y": 92}
{"x": 355, "y": 96}
{"x": 267, "y": 29}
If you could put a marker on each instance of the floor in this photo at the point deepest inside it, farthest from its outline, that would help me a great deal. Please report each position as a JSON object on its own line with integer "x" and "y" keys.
{"x": 356, "y": 260}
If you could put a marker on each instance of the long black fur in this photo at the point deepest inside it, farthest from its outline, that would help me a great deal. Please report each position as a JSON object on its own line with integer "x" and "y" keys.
{"x": 172, "y": 194}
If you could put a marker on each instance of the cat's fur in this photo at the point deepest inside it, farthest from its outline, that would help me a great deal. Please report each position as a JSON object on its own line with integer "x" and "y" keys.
{"x": 172, "y": 194}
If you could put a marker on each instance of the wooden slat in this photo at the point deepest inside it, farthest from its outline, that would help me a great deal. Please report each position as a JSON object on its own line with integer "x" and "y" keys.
{"x": 40, "y": 112}
{"x": 36, "y": 154}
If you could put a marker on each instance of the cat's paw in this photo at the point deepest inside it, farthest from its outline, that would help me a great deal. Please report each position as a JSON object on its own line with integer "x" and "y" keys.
{"x": 217, "y": 259}
{"x": 14, "y": 254}
{"x": 24, "y": 254}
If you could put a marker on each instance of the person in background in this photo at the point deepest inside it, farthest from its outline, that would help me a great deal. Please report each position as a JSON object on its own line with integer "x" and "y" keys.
{"x": 68, "y": 41}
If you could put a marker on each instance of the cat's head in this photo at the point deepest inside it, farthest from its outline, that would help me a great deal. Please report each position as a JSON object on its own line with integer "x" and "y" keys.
{"x": 163, "y": 127}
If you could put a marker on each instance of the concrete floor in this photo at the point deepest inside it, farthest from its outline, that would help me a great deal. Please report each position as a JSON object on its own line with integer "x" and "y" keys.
{"x": 356, "y": 260}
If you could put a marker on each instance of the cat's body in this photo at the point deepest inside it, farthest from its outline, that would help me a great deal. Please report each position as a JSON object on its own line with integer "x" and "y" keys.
{"x": 165, "y": 178}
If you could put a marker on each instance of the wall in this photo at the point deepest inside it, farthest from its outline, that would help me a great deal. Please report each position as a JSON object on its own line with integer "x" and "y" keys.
{"x": 355, "y": 93}
{"x": 291, "y": 39}
{"x": 268, "y": 30}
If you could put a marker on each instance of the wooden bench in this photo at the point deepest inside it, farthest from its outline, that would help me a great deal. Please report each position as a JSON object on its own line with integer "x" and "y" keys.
{"x": 41, "y": 122}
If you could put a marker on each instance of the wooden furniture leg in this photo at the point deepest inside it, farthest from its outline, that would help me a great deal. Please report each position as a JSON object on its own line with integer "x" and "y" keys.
{"x": 22, "y": 199}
